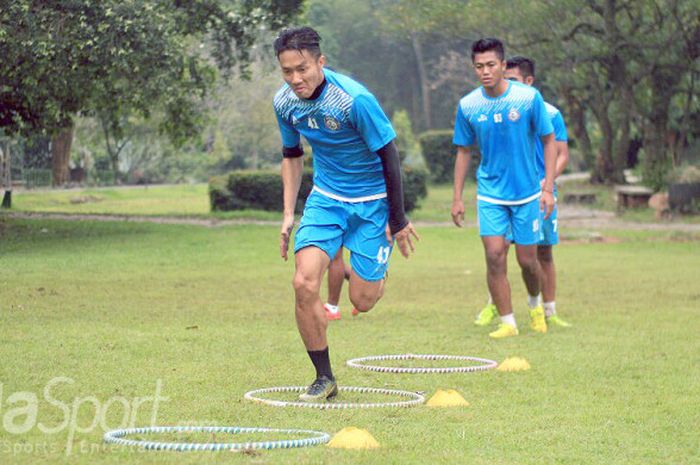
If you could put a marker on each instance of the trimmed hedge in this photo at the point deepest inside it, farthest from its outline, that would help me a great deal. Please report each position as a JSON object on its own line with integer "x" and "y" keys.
{"x": 415, "y": 187}
{"x": 262, "y": 190}
{"x": 259, "y": 190}
{"x": 439, "y": 155}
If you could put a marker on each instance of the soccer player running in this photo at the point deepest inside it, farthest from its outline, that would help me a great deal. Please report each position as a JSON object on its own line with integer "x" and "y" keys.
{"x": 505, "y": 119}
{"x": 357, "y": 198}
{"x": 522, "y": 69}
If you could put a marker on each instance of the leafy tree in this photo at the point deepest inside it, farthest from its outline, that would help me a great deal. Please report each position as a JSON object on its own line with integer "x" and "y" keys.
{"x": 622, "y": 60}
{"x": 113, "y": 58}
{"x": 406, "y": 141}
{"x": 421, "y": 22}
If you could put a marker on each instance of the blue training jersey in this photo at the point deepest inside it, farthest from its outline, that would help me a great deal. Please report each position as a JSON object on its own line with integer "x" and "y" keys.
{"x": 345, "y": 126}
{"x": 506, "y": 129}
{"x": 559, "y": 135}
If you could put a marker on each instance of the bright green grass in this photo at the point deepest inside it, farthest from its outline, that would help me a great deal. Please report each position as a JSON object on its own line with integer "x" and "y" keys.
{"x": 193, "y": 201}
{"x": 109, "y": 305}
{"x": 437, "y": 206}
{"x": 180, "y": 199}
{"x": 187, "y": 200}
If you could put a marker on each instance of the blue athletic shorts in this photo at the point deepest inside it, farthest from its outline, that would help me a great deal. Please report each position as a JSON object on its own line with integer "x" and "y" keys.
{"x": 359, "y": 226}
{"x": 520, "y": 224}
{"x": 550, "y": 229}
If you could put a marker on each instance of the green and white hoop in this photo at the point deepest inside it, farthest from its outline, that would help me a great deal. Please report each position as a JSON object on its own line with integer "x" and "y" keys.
{"x": 118, "y": 437}
{"x": 360, "y": 363}
{"x": 413, "y": 398}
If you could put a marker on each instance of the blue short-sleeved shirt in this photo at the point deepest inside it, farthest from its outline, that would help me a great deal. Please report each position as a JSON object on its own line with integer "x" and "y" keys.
{"x": 559, "y": 135}
{"x": 345, "y": 126}
{"x": 506, "y": 129}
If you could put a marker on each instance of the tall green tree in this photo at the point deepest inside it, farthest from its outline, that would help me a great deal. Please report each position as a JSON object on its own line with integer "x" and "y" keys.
{"x": 420, "y": 23}
{"x": 113, "y": 58}
{"x": 621, "y": 62}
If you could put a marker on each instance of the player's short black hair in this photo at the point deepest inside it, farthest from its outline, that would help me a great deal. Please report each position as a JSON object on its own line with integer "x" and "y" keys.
{"x": 488, "y": 44}
{"x": 298, "y": 38}
{"x": 524, "y": 64}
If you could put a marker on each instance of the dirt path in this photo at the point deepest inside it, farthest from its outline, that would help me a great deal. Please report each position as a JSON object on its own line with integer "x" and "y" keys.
{"x": 571, "y": 216}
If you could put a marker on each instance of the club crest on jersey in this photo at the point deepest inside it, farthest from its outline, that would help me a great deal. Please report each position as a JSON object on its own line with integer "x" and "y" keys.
{"x": 331, "y": 123}
{"x": 513, "y": 115}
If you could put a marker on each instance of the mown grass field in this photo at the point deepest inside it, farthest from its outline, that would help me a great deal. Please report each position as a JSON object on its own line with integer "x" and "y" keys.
{"x": 97, "y": 315}
{"x": 179, "y": 200}
{"x": 191, "y": 200}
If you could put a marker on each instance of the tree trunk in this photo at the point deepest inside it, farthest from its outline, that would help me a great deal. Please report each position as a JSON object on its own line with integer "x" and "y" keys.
{"x": 6, "y": 175}
{"x": 616, "y": 68}
{"x": 681, "y": 141}
{"x": 656, "y": 159}
{"x": 604, "y": 168}
{"x": 423, "y": 79}
{"x": 577, "y": 118}
{"x": 60, "y": 155}
{"x": 624, "y": 141}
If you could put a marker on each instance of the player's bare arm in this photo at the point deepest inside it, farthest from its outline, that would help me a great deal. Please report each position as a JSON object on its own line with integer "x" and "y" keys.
{"x": 291, "y": 180}
{"x": 550, "y": 160}
{"x": 461, "y": 168}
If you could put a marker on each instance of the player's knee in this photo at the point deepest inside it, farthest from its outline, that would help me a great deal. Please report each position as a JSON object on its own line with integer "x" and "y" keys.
{"x": 528, "y": 262}
{"x": 496, "y": 259}
{"x": 544, "y": 255}
{"x": 363, "y": 304}
{"x": 304, "y": 286}
{"x": 364, "y": 301}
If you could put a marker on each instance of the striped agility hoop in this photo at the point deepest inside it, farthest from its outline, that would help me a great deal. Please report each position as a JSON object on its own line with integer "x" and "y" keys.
{"x": 117, "y": 437}
{"x": 360, "y": 363}
{"x": 414, "y": 398}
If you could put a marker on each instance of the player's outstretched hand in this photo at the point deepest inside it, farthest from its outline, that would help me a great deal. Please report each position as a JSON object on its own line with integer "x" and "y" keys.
{"x": 285, "y": 234}
{"x": 458, "y": 213}
{"x": 404, "y": 241}
{"x": 547, "y": 203}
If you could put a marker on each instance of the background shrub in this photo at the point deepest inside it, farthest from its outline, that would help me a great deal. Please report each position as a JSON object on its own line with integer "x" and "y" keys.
{"x": 262, "y": 190}
{"x": 439, "y": 155}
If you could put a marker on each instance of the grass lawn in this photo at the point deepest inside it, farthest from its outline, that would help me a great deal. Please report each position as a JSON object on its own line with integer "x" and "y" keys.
{"x": 180, "y": 199}
{"x": 96, "y": 316}
{"x": 193, "y": 201}
{"x": 185, "y": 200}
{"x": 190, "y": 200}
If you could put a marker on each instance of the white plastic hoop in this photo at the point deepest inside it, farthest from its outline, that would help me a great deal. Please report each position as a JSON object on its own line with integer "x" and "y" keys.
{"x": 117, "y": 437}
{"x": 486, "y": 364}
{"x": 414, "y": 398}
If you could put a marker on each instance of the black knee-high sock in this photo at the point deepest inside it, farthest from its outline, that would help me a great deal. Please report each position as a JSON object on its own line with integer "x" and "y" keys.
{"x": 321, "y": 362}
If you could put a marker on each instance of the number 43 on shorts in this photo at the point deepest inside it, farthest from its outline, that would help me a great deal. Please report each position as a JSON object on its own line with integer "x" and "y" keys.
{"x": 383, "y": 255}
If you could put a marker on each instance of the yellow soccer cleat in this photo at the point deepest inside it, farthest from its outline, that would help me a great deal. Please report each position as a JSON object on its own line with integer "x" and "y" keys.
{"x": 557, "y": 321}
{"x": 504, "y": 330}
{"x": 537, "y": 321}
{"x": 486, "y": 315}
